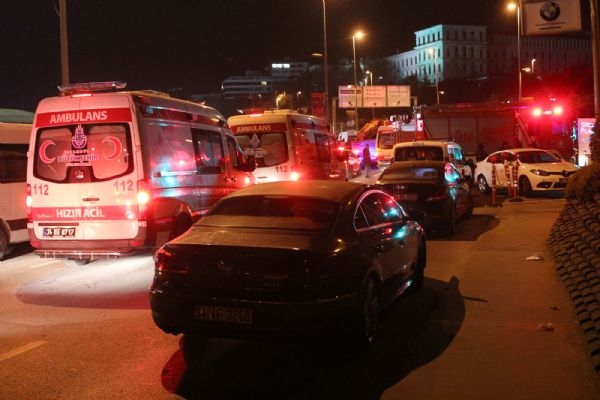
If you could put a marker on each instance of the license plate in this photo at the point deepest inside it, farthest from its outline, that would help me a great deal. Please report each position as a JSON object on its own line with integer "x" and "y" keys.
{"x": 407, "y": 196}
{"x": 224, "y": 314}
{"x": 60, "y": 232}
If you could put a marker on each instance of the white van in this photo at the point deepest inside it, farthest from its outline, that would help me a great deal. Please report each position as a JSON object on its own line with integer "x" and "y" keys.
{"x": 14, "y": 143}
{"x": 287, "y": 145}
{"x": 111, "y": 171}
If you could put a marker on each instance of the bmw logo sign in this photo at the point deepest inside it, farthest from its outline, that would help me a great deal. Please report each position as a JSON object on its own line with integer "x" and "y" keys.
{"x": 549, "y": 11}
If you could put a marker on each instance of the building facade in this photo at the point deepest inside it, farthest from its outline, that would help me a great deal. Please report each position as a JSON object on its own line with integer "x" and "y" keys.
{"x": 465, "y": 51}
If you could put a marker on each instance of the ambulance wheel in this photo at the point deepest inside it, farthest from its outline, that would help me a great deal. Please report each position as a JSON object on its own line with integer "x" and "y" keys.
{"x": 182, "y": 224}
{"x": 77, "y": 262}
{"x": 3, "y": 244}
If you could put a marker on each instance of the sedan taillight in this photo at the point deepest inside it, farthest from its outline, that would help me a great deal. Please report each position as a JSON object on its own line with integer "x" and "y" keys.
{"x": 165, "y": 262}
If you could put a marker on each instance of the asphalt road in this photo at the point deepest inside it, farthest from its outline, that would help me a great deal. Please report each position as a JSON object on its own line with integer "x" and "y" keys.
{"x": 492, "y": 322}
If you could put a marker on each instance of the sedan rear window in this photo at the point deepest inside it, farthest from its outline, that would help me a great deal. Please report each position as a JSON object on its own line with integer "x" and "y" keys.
{"x": 418, "y": 174}
{"x": 418, "y": 153}
{"x": 278, "y": 212}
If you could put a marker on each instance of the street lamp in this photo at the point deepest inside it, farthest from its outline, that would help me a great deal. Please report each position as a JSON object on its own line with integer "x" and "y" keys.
{"x": 64, "y": 42}
{"x": 357, "y": 35}
{"x": 435, "y": 73}
{"x": 514, "y": 5}
{"x": 533, "y": 65}
{"x": 369, "y": 77}
{"x": 325, "y": 66}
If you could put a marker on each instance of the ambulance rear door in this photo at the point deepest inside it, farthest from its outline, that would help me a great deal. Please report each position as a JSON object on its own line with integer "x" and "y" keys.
{"x": 83, "y": 173}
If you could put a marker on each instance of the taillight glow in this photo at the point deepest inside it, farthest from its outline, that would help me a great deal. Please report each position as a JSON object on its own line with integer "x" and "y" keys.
{"x": 143, "y": 200}
{"x": 536, "y": 112}
{"x": 28, "y": 203}
{"x": 164, "y": 262}
{"x": 294, "y": 176}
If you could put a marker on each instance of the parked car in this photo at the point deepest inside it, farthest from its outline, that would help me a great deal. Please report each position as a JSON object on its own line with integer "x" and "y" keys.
{"x": 289, "y": 258}
{"x": 539, "y": 171}
{"x": 434, "y": 187}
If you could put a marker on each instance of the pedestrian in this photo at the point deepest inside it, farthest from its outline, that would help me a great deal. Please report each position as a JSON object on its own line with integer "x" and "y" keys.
{"x": 367, "y": 160}
{"x": 480, "y": 154}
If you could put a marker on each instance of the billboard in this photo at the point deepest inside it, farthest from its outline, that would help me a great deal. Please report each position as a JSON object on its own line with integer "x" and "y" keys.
{"x": 549, "y": 17}
{"x": 585, "y": 129}
{"x": 348, "y": 97}
{"x": 374, "y": 96}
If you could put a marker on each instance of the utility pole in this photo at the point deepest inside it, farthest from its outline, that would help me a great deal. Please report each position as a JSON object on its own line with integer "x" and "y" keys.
{"x": 64, "y": 45}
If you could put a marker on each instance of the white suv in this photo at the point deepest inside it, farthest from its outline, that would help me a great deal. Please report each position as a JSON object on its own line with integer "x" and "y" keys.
{"x": 442, "y": 150}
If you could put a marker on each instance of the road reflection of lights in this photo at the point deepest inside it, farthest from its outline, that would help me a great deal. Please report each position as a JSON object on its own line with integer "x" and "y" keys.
{"x": 121, "y": 283}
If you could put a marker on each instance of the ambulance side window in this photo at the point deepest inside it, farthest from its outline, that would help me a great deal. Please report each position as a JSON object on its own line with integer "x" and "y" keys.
{"x": 209, "y": 151}
{"x": 323, "y": 147}
{"x": 235, "y": 153}
{"x": 13, "y": 163}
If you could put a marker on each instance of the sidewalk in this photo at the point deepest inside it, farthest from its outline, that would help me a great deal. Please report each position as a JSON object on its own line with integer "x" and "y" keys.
{"x": 520, "y": 338}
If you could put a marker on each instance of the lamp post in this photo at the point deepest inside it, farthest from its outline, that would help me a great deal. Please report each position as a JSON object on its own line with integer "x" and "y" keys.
{"x": 514, "y": 5}
{"x": 357, "y": 35}
{"x": 369, "y": 77}
{"x": 533, "y": 65}
{"x": 435, "y": 74}
{"x": 325, "y": 66}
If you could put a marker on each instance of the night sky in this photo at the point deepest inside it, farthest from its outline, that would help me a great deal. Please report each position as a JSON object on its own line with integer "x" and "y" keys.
{"x": 196, "y": 44}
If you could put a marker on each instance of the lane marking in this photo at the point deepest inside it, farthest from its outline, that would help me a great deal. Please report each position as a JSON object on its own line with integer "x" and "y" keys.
{"x": 22, "y": 349}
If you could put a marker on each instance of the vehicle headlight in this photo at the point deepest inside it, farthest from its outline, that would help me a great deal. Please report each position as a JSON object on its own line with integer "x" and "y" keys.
{"x": 539, "y": 172}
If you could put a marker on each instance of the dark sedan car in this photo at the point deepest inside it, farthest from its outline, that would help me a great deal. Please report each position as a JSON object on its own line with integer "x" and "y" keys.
{"x": 434, "y": 187}
{"x": 289, "y": 258}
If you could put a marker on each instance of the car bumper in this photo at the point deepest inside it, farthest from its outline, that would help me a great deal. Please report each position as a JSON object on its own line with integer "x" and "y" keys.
{"x": 180, "y": 314}
{"x": 548, "y": 183}
{"x": 437, "y": 213}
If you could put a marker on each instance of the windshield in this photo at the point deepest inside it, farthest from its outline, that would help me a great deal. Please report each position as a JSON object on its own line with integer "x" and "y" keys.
{"x": 418, "y": 153}
{"x": 268, "y": 149}
{"x": 384, "y": 141}
{"x": 276, "y": 212}
{"x": 100, "y": 152}
{"x": 536, "y": 157}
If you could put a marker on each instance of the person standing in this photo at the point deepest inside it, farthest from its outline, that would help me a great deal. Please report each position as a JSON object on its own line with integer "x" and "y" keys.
{"x": 367, "y": 160}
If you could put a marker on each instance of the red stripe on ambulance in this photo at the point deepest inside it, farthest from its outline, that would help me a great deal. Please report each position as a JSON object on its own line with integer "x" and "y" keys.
{"x": 84, "y": 213}
{"x": 83, "y": 116}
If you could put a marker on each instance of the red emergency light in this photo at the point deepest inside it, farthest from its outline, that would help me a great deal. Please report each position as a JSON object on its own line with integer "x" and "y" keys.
{"x": 554, "y": 111}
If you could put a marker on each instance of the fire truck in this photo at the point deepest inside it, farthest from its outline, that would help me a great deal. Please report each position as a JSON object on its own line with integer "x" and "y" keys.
{"x": 496, "y": 125}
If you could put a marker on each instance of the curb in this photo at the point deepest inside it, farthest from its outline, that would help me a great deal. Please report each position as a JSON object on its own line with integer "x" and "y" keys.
{"x": 574, "y": 242}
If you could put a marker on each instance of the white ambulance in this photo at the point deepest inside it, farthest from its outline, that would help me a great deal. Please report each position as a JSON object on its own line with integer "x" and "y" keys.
{"x": 14, "y": 143}
{"x": 287, "y": 145}
{"x": 110, "y": 171}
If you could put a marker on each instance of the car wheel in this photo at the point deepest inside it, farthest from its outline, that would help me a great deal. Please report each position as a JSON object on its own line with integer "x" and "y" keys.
{"x": 452, "y": 221}
{"x": 482, "y": 184}
{"x": 419, "y": 269}
{"x": 469, "y": 211}
{"x": 368, "y": 314}
{"x": 525, "y": 187}
{"x": 3, "y": 244}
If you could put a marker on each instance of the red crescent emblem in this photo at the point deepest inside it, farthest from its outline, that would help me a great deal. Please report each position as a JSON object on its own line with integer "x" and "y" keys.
{"x": 117, "y": 147}
{"x": 42, "y": 152}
